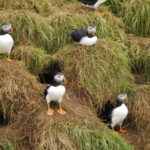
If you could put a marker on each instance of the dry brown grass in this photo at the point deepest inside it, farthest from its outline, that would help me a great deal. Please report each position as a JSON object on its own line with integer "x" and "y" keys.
{"x": 38, "y": 6}
{"x": 35, "y": 58}
{"x": 29, "y": 28}
{"x": 139, "y": 54}
{"x": 23, "y": 101}
{"x": 139, "y": 111}
{"x": 98, "y": 71}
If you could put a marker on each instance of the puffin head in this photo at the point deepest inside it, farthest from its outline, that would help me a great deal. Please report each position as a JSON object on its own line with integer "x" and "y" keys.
{"x": 91, "y": 30}
{"x": 60, "y": 78}
{"x": 123, "y": 98}
{"x": 6, "y": 27}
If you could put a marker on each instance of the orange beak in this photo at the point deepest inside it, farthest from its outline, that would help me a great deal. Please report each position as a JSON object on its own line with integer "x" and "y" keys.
{"x": 65, "y": 81}
{"x": 126, "y": 100}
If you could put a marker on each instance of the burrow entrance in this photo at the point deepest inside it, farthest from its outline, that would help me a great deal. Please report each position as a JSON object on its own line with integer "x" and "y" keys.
{"x": 47, "y": 75}
{"x": 104, "y": 114}
{"x": 4, "y": 120}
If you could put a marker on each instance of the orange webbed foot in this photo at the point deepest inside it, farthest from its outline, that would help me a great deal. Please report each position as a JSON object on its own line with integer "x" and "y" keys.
{"x": 61, "y": 111}
{"x": 122, "y": 131}
{"x": 8, "y": 59}
{"x": 50, "y": 112}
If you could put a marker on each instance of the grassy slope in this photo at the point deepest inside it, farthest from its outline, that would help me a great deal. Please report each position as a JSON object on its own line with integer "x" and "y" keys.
{"x": 24, "y": 105}
{"x": 5, "y": 144}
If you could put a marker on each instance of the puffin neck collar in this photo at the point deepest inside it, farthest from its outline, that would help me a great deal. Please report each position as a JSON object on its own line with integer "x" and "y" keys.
{"x": 89, "y": 35}
{"x": 55, "y": 83}
{"x": 119, "y": 103}
{"x": 3, "y": 32}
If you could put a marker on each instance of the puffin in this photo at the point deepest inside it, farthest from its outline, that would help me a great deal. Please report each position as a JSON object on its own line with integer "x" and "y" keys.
{"x": 119, "y": 113}
{"x": 6, "y": 40}
{"x": 92, "y": 3}
{"x": 55, "y": 92}
{"x": 85, "y": 37}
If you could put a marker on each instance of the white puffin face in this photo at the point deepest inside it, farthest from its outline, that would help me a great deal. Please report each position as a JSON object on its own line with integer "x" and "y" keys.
{"x": 91, "y": 30}
{"x": 123, "y": 97}
{"x": 6, "y": 27}
{"x": 59, "y": 77}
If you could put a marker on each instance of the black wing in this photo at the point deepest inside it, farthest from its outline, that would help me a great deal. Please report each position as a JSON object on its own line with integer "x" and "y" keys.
{"x": 78, "y": 34}
{"x": 106, "y": 112}
{"x": 88, "y": 2}
{"x": 45, "y": 91}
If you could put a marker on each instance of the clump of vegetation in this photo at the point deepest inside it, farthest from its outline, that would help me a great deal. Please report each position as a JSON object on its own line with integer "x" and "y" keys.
{"x": 139, "y": 53}
{"x": 107, "y": 27}
{"x": 15, "y": 87}
{"x": 136, "y": 17}
{"x": 100, "y": 69}
{"x": 88, "y": 139}
{"x": 35, "y": 59}
{"x": 6, "y": 145}
{"x": 128, "y": 88}
{"x": 38, "y": 6}
{"x": 140, "y": 106}
{"x": 28, "y": 30}
{"x": 115, "y": 5}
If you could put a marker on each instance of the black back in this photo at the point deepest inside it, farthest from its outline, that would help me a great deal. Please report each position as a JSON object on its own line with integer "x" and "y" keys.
{"x": 106, "y": 111}
{"x": 88, "y": 2}
{"x": 118, "y": 104}
{"x": 45, "y": 91}
{"x": 3, "y": 33}
{"x": 77, "y": 35}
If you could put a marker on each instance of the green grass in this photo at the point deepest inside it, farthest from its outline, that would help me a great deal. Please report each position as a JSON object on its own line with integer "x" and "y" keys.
{"x": 35, "y": 59}
{"x": 29, "y": 28}
{"x": 107, "y": 26}
{"x": 51, "y": 33}
{"x": 6, "y": 145}
{"x": 38, "y": 6}
{"x": 99, "y": 70}
{"x": 139, "y": 54}
{"x": 136, "y": 17}
{"x": 115, "y": 5}
{"x": 88, "y": 139}
{"x": 128, "y": 88}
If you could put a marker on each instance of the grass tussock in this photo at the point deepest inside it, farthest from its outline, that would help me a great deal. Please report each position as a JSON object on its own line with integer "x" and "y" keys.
{"x": 115, "y": 5}
{"x": 139, "y": 53}
{"x": 77, "y": 17}
{"x": 88, "y": 139}
{"x": 140, "y": 107}
{"x": 16, "y": 86}
{"x": 29, "y": 28}
{"x": 100, "y": 70}
{"x": 136, "y": 17}
{"x": 5, "y": 144}
{"x": 20, "y": 89}
{"x": 51, "y": 33}
{"x": 37, "y": 6}
{"x": 35, "y": 59}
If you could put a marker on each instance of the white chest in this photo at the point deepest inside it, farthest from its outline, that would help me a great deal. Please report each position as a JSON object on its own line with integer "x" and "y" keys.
{"x": 6, "y": 43}
{"x": 120, "y": 113}
{"x": 56, "y": 92}
{"x": 88, "y": 41}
